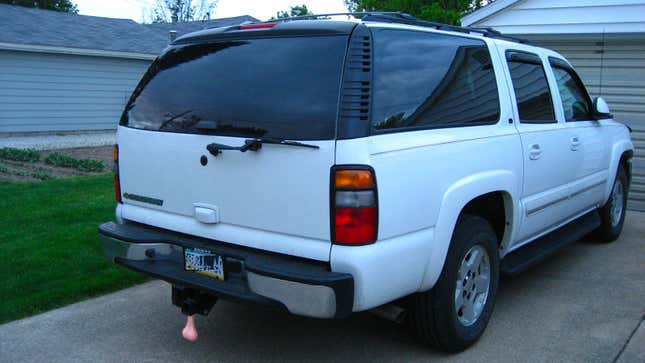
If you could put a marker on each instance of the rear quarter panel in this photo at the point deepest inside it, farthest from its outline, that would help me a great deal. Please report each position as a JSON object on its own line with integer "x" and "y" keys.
{"x": 425, "y": 178}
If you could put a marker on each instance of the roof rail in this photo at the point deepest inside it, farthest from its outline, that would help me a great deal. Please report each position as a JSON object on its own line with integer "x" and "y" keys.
{"x": 355, "y": 14}
{"x": 411, "y": 20}
{"x": 492, "y": 33}
{"x": 400, "y": 17}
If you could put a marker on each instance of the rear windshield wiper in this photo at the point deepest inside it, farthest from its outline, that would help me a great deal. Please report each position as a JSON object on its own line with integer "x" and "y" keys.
{"x": 255, "y": 145}
{"x": 269, "y": 140}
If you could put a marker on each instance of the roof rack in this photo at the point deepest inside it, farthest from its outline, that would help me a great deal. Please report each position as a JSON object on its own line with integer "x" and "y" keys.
{"x": 405, "y": 18}
{"x": 355, "y": 14}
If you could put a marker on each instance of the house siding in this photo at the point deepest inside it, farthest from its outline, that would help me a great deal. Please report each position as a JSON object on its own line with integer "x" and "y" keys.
{"x": 565, "y": 17}
{"x": 59, "y": 92}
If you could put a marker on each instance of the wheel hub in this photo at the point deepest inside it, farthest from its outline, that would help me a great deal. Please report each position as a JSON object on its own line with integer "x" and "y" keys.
{"x": 472, "y": 285}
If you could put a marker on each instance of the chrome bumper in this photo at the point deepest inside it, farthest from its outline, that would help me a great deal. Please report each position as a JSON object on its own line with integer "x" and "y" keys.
{"x": 309, "y": 291}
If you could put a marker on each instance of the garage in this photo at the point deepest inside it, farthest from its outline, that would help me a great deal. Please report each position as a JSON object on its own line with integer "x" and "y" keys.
{"x": 63, "y": 92}
{"x": 605, "y": 41}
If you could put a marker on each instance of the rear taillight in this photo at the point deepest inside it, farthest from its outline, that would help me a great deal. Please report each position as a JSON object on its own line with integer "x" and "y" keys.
{"x": 354, "y": 205}
{"x": 117, "y": 180}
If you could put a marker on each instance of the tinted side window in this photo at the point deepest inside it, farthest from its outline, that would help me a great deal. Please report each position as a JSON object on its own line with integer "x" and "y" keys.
{"x": 575, "y": 101}
{"x": 534, "y": 101}
{"x": 425, "y": 80}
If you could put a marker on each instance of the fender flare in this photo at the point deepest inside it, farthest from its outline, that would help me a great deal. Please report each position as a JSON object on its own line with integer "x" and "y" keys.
{"x": 617, "y": 152}
{"x": 454, "y": 200}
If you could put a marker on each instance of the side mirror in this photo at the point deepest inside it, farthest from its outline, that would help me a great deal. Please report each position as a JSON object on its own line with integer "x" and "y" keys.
{"x": 601, "y": 109}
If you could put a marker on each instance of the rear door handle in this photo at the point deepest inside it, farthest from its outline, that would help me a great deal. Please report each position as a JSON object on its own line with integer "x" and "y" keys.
{"x": 535, "y": 152}
{"x": 575, "y": 143}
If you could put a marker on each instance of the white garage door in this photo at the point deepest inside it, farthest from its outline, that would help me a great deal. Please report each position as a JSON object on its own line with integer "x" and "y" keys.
{"x": 615, "y": 70}
{"x": 55, "y": 92}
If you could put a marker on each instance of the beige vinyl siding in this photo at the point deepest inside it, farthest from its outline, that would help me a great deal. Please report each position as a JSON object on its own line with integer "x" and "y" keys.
{"x": 59, "y": 92}
{"x": 615, "y": 70}
{"x": 562, "y": 17}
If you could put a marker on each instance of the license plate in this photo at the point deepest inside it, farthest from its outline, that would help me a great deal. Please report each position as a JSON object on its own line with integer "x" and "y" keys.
{"x": 203, "y": 262}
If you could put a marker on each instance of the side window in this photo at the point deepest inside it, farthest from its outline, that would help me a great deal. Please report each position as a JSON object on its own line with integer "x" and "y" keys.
{"x": 425, "y": 80}
{"x": 575, "y": 100}
{"x": 534, "y": 101}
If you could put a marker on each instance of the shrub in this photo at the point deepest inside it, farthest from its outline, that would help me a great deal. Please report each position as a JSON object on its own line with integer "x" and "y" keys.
{"x": 90, "y": 165}
{"x": 12, "y": 153}
{"x": 65, "y": 161}
{"x": 41, "y": 175}
{"x": 61, "y": 160}
{"x": 4, "y": 169}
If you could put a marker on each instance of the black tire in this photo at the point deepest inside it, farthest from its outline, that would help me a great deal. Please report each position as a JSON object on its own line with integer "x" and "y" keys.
{"x": 433, "y": 314}
{"x": 609, "y": 230}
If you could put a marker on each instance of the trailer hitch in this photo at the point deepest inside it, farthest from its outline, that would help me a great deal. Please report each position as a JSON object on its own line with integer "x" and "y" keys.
{"x": 191, "y": 302}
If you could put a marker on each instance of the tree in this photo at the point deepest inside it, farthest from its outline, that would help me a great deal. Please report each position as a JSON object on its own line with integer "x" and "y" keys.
{"x": 298, "y": 10}
{"x": 56, "y": 5}
{"x": 444, "y": 11}
{"x": 174, "y": 11}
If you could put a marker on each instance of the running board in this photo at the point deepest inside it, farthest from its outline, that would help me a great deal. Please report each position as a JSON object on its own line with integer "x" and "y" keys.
{"x": 545, "y": 246}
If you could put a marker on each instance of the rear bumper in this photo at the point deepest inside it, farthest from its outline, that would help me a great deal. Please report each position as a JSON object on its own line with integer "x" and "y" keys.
{"x": 302, "y": 287}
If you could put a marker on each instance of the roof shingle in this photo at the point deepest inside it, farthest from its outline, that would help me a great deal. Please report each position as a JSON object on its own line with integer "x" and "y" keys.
{"x": 26, "y": 26}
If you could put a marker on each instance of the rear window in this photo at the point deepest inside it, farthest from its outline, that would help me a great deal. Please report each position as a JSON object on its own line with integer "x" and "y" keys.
{"x": 426, "y": 80}
{"x": 275, "y": 87}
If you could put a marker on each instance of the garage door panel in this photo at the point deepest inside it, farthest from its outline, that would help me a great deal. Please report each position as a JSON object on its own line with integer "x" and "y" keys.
{"x": 619, "y": 63}
{"x": 621, "y": 91}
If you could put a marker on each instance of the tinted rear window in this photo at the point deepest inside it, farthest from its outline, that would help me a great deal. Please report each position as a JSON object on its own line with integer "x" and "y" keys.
{"x": 275, "y": 87}
{"x": 426, "y": 80}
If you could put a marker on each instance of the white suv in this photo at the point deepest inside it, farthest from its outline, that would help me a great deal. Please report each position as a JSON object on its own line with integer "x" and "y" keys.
{"x": 327, "y": 167}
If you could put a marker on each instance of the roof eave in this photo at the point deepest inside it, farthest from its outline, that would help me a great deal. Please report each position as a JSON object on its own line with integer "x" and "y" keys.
{"x": 486, "y": 11}
{"x": 75, "y": 51}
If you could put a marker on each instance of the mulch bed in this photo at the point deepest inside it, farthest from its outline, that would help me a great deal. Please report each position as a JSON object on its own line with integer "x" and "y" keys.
{"x": 102, "y": 153}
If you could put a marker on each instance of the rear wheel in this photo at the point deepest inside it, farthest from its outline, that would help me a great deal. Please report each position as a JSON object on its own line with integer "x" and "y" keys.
{"x": 454, "y": 314}
{"x": 612, "y": 214}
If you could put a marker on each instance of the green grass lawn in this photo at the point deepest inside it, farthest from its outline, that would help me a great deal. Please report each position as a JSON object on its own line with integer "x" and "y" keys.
{"x": 49, "y": 249}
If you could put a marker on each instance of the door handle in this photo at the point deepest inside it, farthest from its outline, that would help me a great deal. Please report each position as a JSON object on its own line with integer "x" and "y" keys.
{"x": 575, "y": 143}
{"x": 535, "y": 152}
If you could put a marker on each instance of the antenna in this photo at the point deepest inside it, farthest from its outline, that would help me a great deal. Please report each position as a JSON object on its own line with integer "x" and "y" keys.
{"x": 602, "y": 60}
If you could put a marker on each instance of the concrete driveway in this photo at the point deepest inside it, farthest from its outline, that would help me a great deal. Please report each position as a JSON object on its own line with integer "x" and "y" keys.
{"x": 586, "y": 304}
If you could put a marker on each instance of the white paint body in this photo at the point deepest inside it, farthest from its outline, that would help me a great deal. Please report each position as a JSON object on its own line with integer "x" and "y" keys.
{"x": 278, "y": 199}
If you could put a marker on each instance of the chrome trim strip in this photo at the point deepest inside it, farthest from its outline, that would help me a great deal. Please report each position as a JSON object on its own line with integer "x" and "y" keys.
{"x": 545, "y": 206}
{"x": 587, "y": 188}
